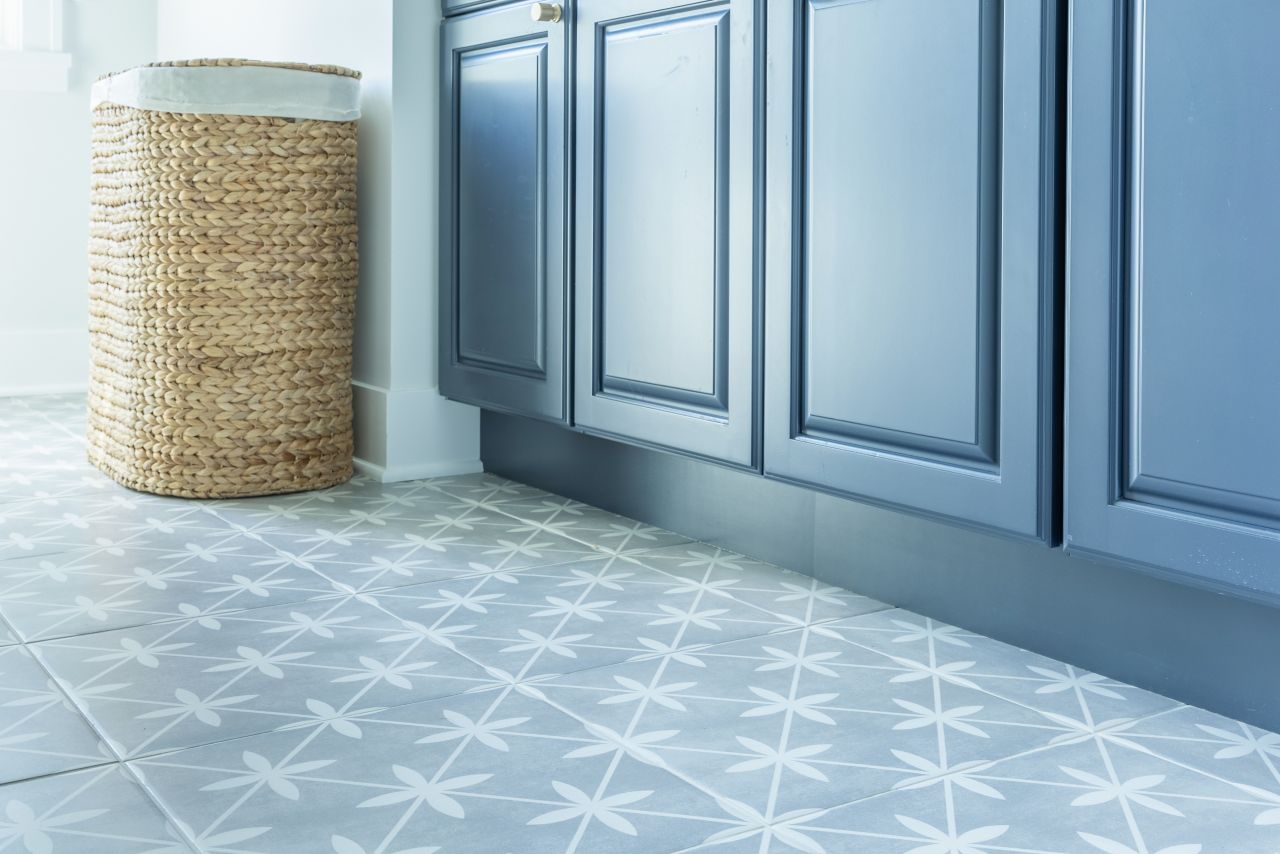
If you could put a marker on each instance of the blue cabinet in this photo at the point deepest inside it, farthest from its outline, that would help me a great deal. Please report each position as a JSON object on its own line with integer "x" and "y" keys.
{"x": 456, "y": 7}
{"x": 1173, "y": 459}
{"x": 910, "y": 279}
{"x": 827, "y": 244}
{"x": 665, "y": 290}
{"x": 503, "y": 278}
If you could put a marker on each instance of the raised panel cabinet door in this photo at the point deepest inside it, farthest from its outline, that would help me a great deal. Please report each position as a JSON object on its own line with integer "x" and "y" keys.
{"x": 1173, "y": 428}
{"x": 503, "y": 282}
{"x": 910, "y": 279}
{"x": 664, "y": 270}
{"x": 457, "y": 7}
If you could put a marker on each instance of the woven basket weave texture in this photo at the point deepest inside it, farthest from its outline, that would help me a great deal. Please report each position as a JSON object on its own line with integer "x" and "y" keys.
{"x": 222, "y": 282}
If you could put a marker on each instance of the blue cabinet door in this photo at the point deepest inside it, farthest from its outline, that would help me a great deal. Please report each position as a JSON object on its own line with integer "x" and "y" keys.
{"x": 664, "y": 268}
{"x": 456, "y": 7}
{"x": 503, "y": 282}
{"x": 910, "y": 278}
{"x": 1173, "y": 423}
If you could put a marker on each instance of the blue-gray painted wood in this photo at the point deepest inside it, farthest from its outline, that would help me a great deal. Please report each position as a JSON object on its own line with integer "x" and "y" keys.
{"x": 665, "y": 290}
{"x": 910, "y": 317}
{"x": 900, "y": 198}
{"x": 1099, "y": 615}
{"x": 1174, "y": 356}
{"x": 503, "y": 279}
{"x": 458, "y": 7}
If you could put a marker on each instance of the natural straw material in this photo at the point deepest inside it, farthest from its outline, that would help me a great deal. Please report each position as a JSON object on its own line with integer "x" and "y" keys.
{"x": 222, "y": 293}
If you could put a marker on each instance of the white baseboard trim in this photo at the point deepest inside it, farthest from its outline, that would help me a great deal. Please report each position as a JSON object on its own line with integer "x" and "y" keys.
{"x": 412, "y": 433}
{"x": 399, "y": 474}
{"x": 46, "y": 388}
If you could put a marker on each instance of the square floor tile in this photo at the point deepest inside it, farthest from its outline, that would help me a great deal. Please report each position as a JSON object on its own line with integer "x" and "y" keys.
{"x": 188, "y": 572}
{"x": 41, "y": 446}
{"x": 40, "y": 732}
{"x": 18, "y": 518}
{"x": 50, "y": 485}
{"x": 598, "y": 528}
{"x": 356, "y": 500}
{"x": 99, "y": 811}
{"x": 798, "y": 598}
{"x": 112, "y": 523}
{"x": 1071, "y": 695}
{"x": 57, "y": 406}
{"x": 171, "y": 685}
{"x": 475, "y": 664}
{"x": 483, "y": 773}
{"x": 450, "y": 545}
{"x": 798, "y": 720}
{"x": 1096, "y": 794}
{"x": 552, "y": 513}
{"x": 1214, "y": 746}
{"x": 486, "y": 489}
{"x": 118, "y": 521}
{"x": 569, "y": 617}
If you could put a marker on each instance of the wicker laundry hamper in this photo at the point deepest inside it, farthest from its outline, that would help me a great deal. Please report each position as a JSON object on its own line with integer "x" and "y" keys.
{"x": 222, "y": 293}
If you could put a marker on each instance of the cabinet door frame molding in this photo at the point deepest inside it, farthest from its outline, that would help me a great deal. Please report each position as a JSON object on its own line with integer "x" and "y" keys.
{"x": 1004, "y": 478}
{"x": 1116, "y": 508}
{"x": 718, "y": 421}
{"x": 535, "y": 385}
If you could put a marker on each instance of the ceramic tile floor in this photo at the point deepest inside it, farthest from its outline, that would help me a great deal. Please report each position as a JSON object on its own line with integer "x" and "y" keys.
{"x": 470, "y": 664}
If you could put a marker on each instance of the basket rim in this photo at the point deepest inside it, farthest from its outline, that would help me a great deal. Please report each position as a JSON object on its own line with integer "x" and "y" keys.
{"x": 233, "y": 62}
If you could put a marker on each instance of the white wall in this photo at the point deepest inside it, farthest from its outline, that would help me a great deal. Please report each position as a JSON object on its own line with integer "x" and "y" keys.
{"x": 44, "y": 201}
{"x": 404, "y": 429}
{"x": 424, "y": 429}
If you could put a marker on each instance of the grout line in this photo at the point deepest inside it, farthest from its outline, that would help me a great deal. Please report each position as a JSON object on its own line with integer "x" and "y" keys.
{"x": 62, "y": 772}
{"x": 533, "y": 682}
{"x": 151, "y": 756}
{"x": 53, "y": 680}
{"x": 167, "y": 621}
{"x": 15, "y": 639}
{"x": 179, "y": 826}
{"x": 539, "y": 523}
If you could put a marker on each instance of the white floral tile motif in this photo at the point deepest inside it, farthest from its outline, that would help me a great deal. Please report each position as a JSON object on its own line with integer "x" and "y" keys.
{"x": 36, "y": 448}
{"x": 1075, "y": 696}
{"x": 284, "y": 508}
{"x": 1099, "y": 794}
{"x": 1214, "y": 746}
{"x": 473, "y": 664}
{"x": 598, "y": 528}
{"x": 550, "y": 513}
{"x": 357, "y": 506}
{"x": 797, "y": 597}
{"x": 450, "y": 544}
{"x": 486, "y": 489}
{"x": 560, "y": 619}
{"x": 95, "y": 525}
{"x": 117, "y": 585}
{"x": 99, "y": 811}
{"x": 20, "y": 519}
{"x": 24, "y": 485}
{"x": 17, "y": 416}
{"x": 171, "y": 685}
{"x": 40, "y": 732}
{"x": 492, "y": 772}
{"x": 797, "y": 721}
{"x": 84, "y": 509}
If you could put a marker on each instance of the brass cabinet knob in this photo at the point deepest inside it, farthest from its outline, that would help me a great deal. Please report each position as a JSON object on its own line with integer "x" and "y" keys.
{"x": 550, "y": 12}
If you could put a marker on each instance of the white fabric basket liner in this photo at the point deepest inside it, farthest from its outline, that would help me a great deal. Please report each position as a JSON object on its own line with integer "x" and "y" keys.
{"x": 238, "y": 90}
